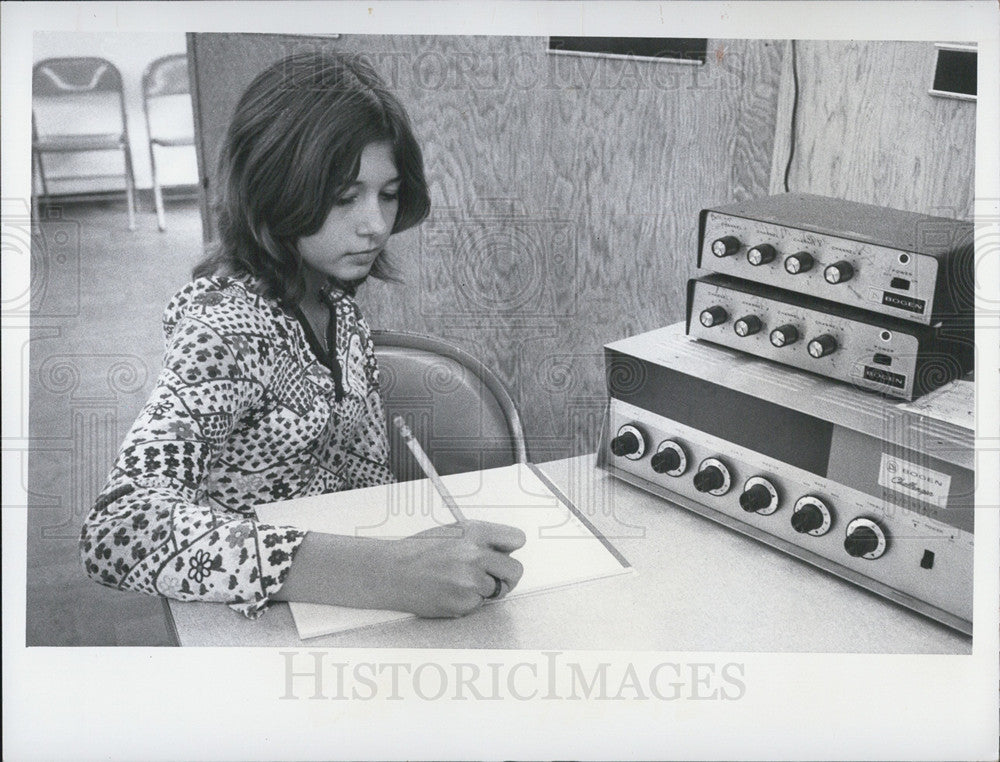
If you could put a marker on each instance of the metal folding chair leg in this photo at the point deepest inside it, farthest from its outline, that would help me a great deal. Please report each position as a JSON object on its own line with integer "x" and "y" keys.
{"x": 129, "y": 187}
{"x": 161, "y": 217}
{"x": 36, "y": 161}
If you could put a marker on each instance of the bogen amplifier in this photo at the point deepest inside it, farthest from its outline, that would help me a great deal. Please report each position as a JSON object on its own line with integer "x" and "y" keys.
{"x": 880, "y": 353}
{"x": 914, "y": 267}
{"x": 876, "y": 491}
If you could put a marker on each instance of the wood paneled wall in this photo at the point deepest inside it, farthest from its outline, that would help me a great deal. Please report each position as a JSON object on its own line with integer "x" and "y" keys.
{"x": 566, "y": 189}
{"x": 566, "y": 192}
{"x": 867, "y": 130}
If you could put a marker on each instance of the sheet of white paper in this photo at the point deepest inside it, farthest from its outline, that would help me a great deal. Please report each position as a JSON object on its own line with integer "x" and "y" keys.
{"x": 560, "y": 549}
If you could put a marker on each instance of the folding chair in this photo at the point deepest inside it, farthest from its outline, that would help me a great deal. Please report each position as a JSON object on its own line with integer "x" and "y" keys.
{"x": 85, "y": 94}
{"x": 456, "y": 407}
{"x": 166, "y": 102}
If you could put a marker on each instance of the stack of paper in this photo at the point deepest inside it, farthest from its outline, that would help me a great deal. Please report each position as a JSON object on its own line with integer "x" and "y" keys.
{"x": 561, "y": 547}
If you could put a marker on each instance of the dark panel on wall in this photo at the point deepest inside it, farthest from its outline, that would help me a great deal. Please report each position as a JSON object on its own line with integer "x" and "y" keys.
{"x": 867, "y": 129}
{"x": 684, "y": 48}
{"x": 566, "y": 192}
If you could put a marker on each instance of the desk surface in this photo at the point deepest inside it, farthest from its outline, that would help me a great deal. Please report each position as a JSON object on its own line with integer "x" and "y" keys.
{"x": 696, "y": 587}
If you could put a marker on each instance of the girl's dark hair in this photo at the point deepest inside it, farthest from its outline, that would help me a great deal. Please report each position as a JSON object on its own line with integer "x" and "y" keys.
{"x": 293, "y": 147}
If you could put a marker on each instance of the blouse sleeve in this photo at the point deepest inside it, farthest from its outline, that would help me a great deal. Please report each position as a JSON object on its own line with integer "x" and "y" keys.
{"x": 152, "y": 530}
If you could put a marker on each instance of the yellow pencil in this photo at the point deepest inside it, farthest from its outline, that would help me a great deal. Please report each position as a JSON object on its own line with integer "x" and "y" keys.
{"x": 427, "y": 467}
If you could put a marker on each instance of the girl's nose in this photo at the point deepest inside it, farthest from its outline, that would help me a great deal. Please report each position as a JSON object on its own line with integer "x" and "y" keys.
{"x": 373, "y": 220}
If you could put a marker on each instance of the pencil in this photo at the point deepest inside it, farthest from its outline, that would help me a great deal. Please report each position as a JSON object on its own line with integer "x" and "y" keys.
{"x": 427, "y": 467}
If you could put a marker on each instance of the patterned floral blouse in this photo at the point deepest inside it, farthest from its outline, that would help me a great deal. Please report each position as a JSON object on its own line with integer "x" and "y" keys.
{"x": 243, "y": 413}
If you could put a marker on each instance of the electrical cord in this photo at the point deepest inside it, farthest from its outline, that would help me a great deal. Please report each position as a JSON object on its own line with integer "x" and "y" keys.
{"x": 795, "y": 108}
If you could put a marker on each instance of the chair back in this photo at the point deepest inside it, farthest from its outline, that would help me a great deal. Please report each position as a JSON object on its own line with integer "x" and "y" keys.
{"x": 166, "y": 101}
{"x": 55, "y": 77}
{"x": 457, "y": 408}
{"x": 166, "y": 76}
{"x": 78, "y": 96}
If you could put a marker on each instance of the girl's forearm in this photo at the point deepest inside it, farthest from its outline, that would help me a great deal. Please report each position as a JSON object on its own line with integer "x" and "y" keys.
{"x": 445, "y": 571}
{"x": 343, "y": 571}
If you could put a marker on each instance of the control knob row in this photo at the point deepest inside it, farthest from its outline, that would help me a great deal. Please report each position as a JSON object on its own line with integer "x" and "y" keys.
{"x": 782, "y": 336}
{"x": 864, "y": 538}
{"x": 800, "y": 262}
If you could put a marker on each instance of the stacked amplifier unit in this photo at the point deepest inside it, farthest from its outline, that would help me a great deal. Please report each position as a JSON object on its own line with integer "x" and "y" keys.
{"x": 878, "y": 298}
{"x": 838, "y": 465}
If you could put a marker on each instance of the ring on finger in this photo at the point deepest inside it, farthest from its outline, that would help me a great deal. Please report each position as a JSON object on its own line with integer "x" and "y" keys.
{"x": 497, "y": 589}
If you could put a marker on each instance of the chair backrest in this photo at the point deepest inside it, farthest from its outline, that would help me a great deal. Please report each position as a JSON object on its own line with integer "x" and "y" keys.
{"x": 76, "y": 96}
{"x": 456, "y": 407}
{"x": 166, "y": 76}
{"x": 72, "y": 76}
{"x": 166, "y": 99}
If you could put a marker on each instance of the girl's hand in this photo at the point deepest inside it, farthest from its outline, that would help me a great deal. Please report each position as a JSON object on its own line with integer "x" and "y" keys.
{"x": 449, "y": 571}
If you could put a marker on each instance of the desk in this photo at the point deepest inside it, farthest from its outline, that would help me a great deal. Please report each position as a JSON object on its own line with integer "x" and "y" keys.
{"x": 696, "y": 587}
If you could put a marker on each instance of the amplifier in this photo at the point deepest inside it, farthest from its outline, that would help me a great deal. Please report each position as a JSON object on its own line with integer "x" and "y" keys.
{"x": 879, "y": 353}
{"x": 878, "y": 492}
{"x": 912, "y": 266}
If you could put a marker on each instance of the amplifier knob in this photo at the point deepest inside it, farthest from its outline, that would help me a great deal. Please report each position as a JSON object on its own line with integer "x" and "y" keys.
{"x": 669, "y": 458}
{"x": 807, "y": 519}
{"x": 784, "y": 335}
{"x": 747, "y": 325}
{"x": 708, "y": 479}
{"x": 713, "y": 316}
{"x": 712, "y": 477}
{"x": 822, "y": 346}
{"x": 838, "y": 272}
{"x": 811, "y": 516}
{"x": 629, "y": 443}
{"x": 865, "y": 539}
{"x": 798, "y": 263}
{"x": 761, "y": 255}
{"x": 725, "y": 246}
{"x": 759, "y": 496}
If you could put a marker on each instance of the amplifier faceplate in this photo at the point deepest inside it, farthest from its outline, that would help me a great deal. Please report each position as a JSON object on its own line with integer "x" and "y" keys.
{"x": 912, "y": 538}
{"x": 914, "y": 267}
{"x": 889, "y": 356}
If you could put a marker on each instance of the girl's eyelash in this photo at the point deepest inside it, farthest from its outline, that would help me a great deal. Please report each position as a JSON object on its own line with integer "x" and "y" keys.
{"x": 386, "y": 195}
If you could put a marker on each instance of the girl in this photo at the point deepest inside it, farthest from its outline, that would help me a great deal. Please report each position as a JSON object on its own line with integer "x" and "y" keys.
{"x": 269, "y": 389}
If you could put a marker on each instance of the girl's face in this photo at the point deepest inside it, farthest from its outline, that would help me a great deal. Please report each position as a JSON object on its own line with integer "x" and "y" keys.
{"x": 360, "y": 221}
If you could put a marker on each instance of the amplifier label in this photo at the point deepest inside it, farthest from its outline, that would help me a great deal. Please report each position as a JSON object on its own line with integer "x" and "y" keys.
{"x": 883, "y": 376}
{"x": 907, "y": 303}
{"x": 914, "y": 481}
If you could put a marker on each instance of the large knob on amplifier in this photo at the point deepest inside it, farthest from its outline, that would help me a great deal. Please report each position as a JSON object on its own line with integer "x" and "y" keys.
{"x": 713, "y": 477}
{"x": 822, "y": 346}
{"x": 865, "y": 539}
{"x": 811, "y": 515}
{"x": 747, "y": 325}
{"x": 669, "y": 459}
{"x": 725, "y": 246}
{"x": 838, "y": 272}
{"x": 629, "y": 443}
{"x": 713, "y": 316}
{"x": 784, "y": 335}
{"x": 759, "y": 496}
{"x": 761, "y": 254}
{"x": 798, "y": 263}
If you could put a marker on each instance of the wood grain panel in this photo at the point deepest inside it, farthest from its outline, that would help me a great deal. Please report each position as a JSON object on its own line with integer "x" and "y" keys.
{"x": 566, "y": 192}
{"x": 868, "y": 131}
